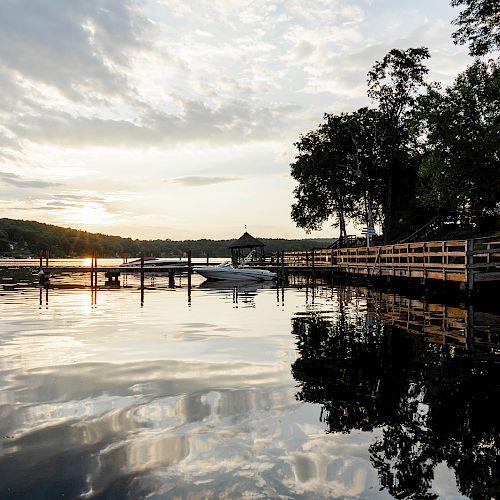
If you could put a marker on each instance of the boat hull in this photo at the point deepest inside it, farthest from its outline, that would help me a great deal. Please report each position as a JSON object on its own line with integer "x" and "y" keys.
{"x": 156, "y": 262}
{"x": 235, "y": 274}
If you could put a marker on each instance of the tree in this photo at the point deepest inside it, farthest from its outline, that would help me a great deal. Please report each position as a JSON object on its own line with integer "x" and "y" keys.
{"x": 479, "y": 24}
{"x": 358, "y": 165}
{"x": 364, "y": 129}
{"x": 326, "y": 175}
{"x": 461, "y": 126}
{"x": 393, "y": 84}
{"x": 4, "y": 245}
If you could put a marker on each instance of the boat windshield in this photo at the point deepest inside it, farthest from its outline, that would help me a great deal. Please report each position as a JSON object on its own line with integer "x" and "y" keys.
{"x": 247, "y": 259}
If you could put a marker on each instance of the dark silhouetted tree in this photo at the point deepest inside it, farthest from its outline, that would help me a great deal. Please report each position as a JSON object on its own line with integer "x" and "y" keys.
{"x": 478, "y": 24}
{"x": 461, "y": 126}
{"x": 393, "y": 83}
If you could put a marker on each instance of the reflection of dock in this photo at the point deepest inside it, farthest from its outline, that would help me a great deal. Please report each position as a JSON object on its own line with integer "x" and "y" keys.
{"x": 440, "y": 323}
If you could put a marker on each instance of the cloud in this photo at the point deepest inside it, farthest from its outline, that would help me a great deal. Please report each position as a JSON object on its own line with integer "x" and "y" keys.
{"x": 198, "y": 180}
{"x": 303, "y": 49}
{"x": 80, "y": 48}
{"x": 16, "y": 180}
{"x": 232, "y": 122}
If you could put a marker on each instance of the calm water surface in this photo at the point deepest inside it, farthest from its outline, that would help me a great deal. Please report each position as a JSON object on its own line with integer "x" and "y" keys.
{"x": 245, "y": 391}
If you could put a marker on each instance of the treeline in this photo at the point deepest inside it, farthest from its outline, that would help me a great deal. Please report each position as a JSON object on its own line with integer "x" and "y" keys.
{"x": 421, "y": 153}
{"x": 29, "y": 238}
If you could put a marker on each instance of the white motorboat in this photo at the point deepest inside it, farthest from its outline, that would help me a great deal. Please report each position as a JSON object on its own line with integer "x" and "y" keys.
{"x": 155, "y": 261}
{"x": 227, "y": 271}
{"x": 243, "y": 272}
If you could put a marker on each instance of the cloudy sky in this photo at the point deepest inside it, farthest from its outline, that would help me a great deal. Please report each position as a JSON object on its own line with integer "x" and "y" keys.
{"x": 176, "y": 118}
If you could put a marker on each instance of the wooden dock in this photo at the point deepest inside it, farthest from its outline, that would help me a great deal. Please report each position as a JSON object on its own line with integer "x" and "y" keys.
{"x": 468, "y": 262}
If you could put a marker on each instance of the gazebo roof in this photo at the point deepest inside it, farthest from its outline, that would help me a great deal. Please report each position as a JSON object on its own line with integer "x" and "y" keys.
{"x": 246, "y": 241}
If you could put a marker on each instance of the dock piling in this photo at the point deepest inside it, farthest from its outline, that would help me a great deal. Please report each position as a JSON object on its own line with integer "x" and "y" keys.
{"x": 190, "y": 270}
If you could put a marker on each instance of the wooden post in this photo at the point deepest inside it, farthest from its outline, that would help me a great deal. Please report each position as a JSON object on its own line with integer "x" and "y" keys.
{"x": 41, "y": 260}
{"x": 283, "y": 277}
{"x": 469, "y": 332}
{"x": 190, "y": 270}
{"x": 469, "y": 260}
{"x": 142, "y": 276}
{"x": 92, "y": 271}
{"x": 47, "y": 258}
{"x": 207, "y": 258}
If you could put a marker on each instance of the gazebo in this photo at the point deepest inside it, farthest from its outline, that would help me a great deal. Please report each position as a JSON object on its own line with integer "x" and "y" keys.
{"x": 241, "y": 247}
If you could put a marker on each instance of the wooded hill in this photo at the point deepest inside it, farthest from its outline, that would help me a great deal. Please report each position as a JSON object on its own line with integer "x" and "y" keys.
{"x": 20, "y": 238}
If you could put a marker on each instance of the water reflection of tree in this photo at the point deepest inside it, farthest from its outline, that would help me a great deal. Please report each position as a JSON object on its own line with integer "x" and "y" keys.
{"x": 434, "y": 403}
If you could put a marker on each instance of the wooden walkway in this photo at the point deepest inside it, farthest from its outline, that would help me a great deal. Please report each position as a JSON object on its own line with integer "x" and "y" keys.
{"x": 465, "y": 261}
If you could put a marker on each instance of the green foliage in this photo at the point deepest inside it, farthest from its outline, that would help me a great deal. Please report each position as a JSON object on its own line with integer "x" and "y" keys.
{"x": 359, "y": 166}
{"x": 394, "y": 82}
{"x": 479, "y": 24}
{"x": 4, "y": 246}
{"x": 409, "y": 160}
{"x": 325, "y": 174}
{"x": 460, "y": 172}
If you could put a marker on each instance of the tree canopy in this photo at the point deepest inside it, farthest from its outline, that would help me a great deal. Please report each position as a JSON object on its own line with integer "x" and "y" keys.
{"x": 478, "y": 24}
{"x": 461, "y": 165}
{"x": 422, "y": 153}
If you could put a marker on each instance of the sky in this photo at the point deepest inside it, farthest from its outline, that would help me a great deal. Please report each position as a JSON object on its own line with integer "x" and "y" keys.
{"x": 177, "y": 119}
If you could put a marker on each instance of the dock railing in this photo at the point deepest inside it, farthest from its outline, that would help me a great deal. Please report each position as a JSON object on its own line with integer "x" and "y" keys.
{"x": 466, "y": 261}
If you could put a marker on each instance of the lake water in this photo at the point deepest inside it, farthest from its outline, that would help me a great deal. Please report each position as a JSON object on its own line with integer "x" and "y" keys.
{"x": 244, "y": 391}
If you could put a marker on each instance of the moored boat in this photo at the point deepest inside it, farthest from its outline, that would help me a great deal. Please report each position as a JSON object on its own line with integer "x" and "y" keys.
{"x": 242, "y": 272}
{"x": 226, "y": 271}
{"x": 155, "y": 261}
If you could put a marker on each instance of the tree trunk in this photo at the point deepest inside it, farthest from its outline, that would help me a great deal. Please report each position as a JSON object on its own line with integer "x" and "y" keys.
{"x": 369, "y": 216}
{"x": 342, "y": 229}
{"x": 388, "y": 213}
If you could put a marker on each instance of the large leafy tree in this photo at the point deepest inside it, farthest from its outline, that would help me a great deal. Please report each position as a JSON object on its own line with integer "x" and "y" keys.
{"x": 364, "y": 127}
{"x": 461, "y": 126}
{"x": 358, "y": 165}
{"x": 326, "y": 176}
{"x": 393, "y": 83}
{"x": 479, "y": 24}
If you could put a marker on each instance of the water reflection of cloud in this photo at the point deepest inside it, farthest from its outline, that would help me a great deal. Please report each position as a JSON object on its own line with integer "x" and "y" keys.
{"x": 183, "y": 422}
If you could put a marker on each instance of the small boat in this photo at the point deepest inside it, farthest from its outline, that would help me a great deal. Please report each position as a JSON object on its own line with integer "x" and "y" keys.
{"x": 155, "y": 261}
{"x": 227, "y": 271}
